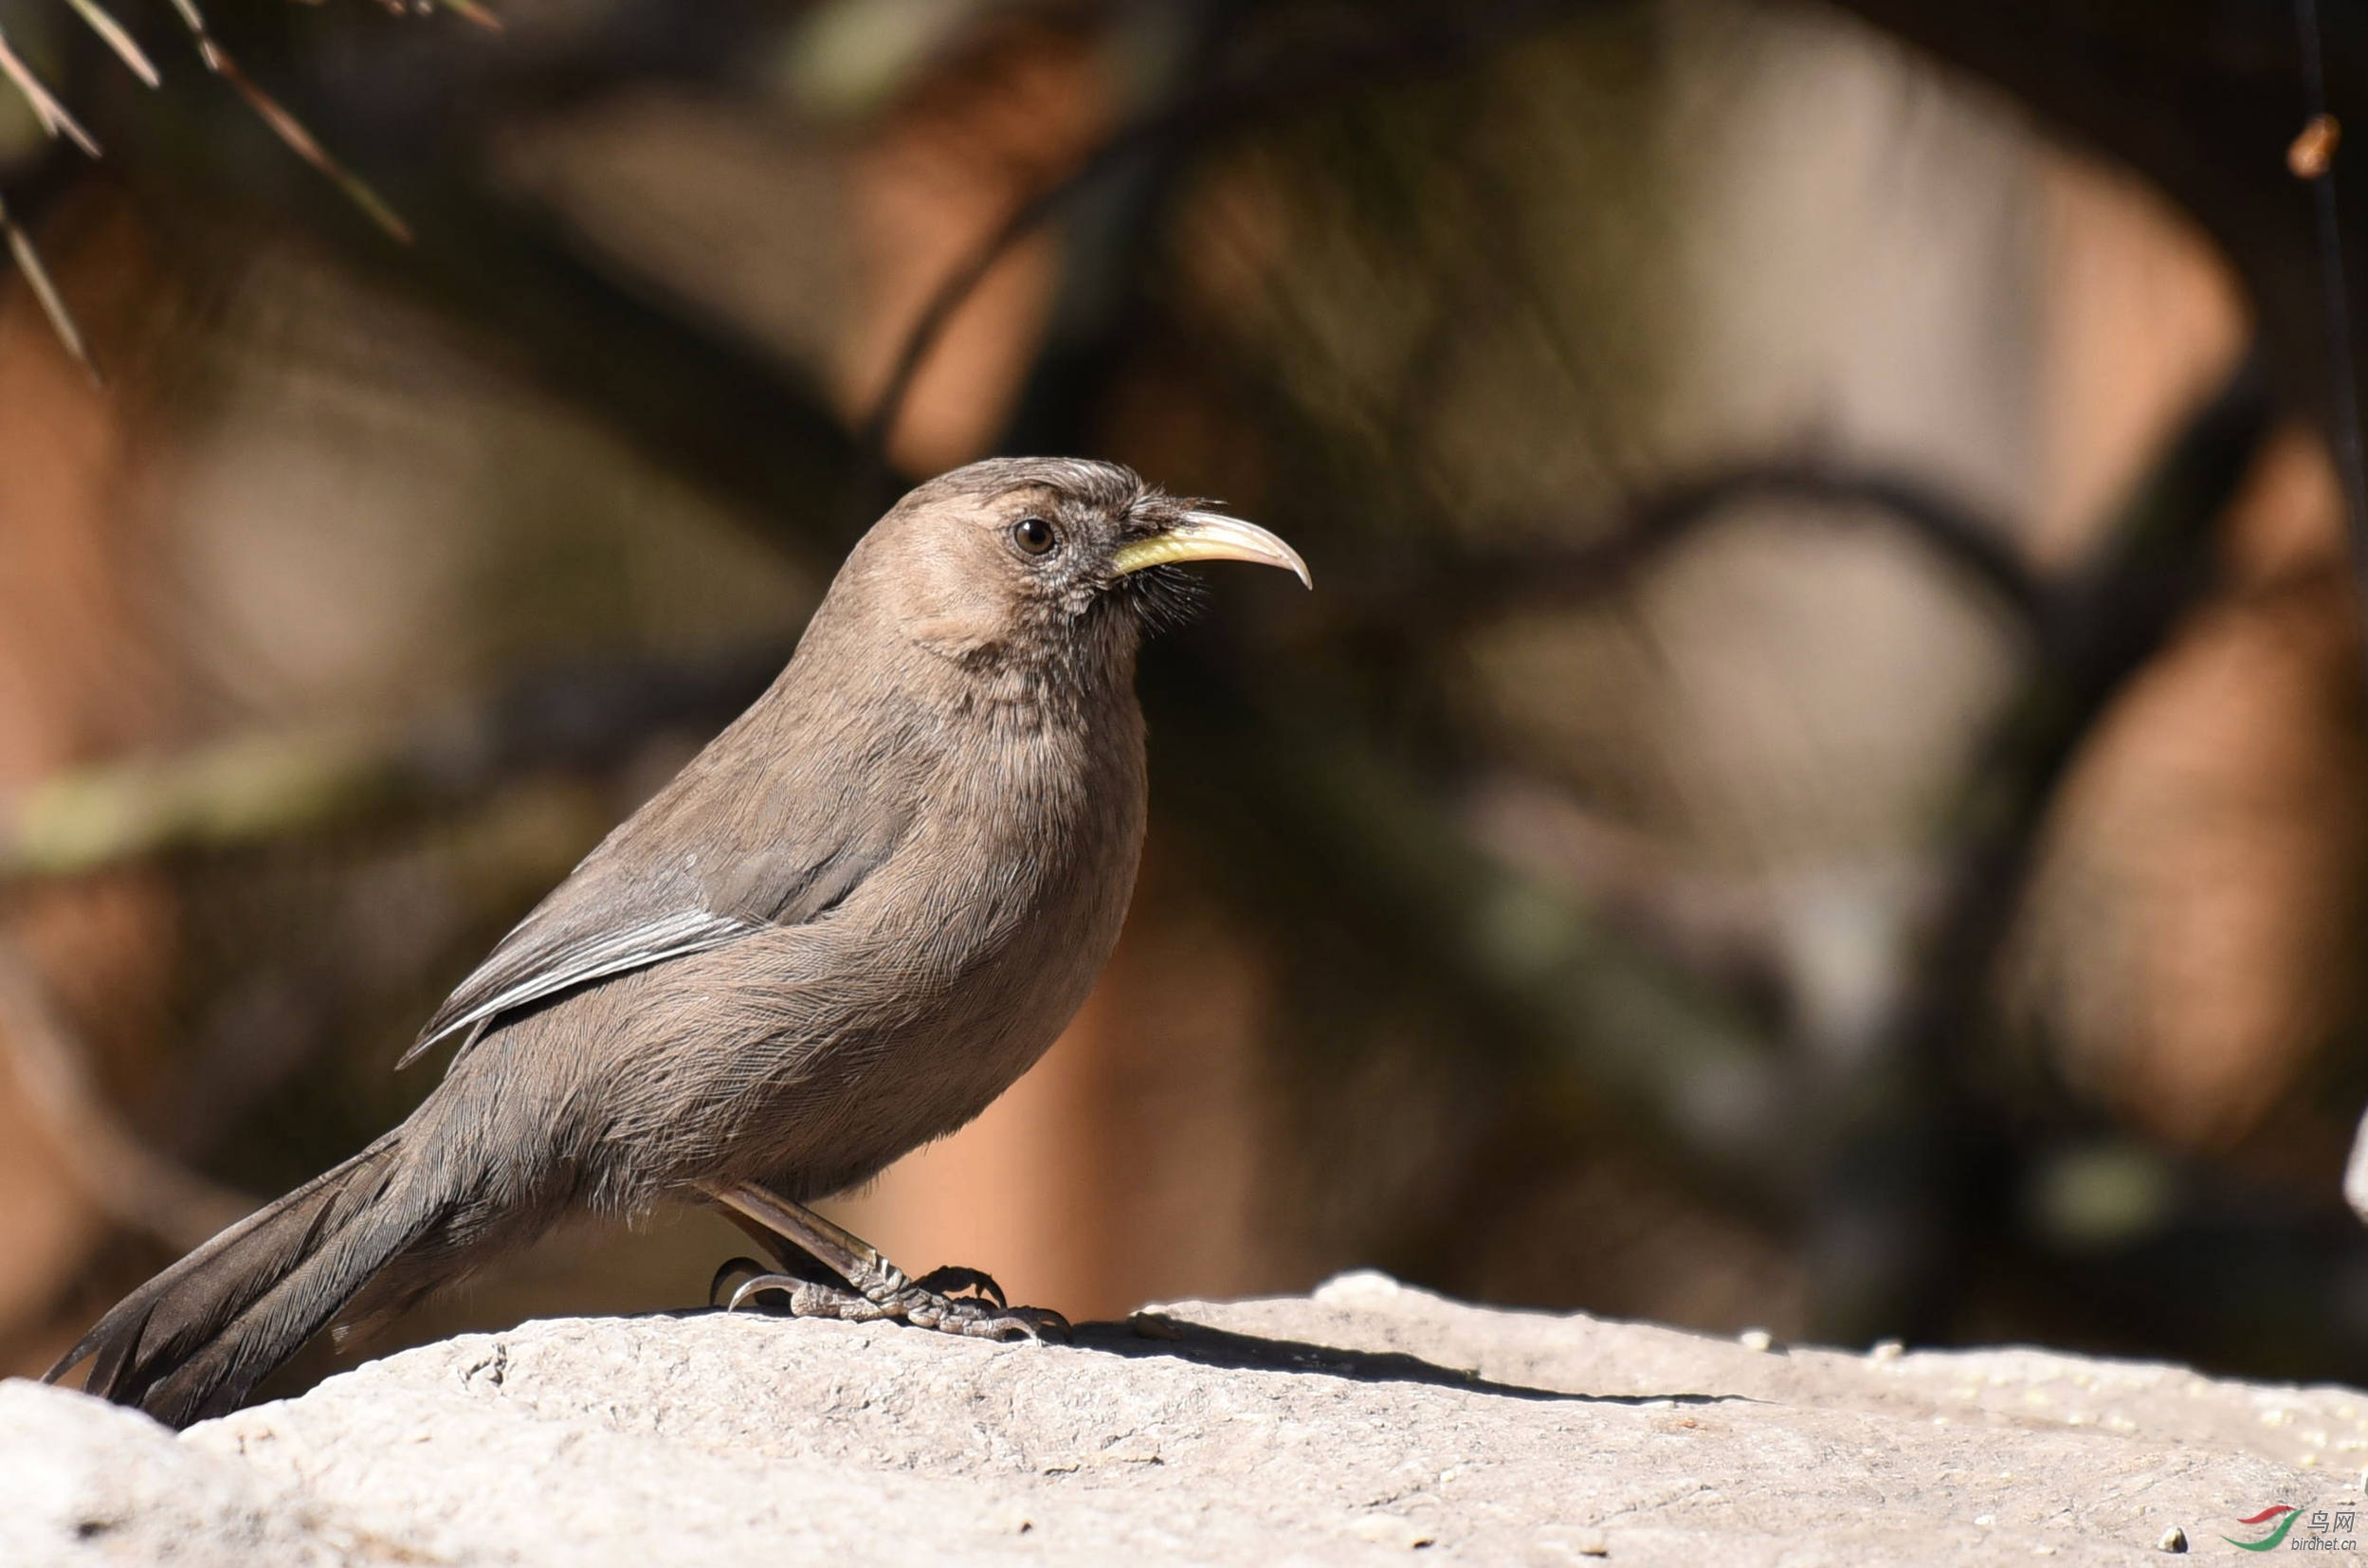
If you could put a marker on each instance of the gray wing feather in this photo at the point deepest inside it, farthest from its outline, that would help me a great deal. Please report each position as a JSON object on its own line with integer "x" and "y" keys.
{"x": 529, "y": 967}
{"x": 616, "y": 914}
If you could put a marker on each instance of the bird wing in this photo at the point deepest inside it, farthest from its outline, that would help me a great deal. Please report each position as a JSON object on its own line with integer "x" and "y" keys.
{"x": 549, "y": 953}
{"x": 622, "y": 910}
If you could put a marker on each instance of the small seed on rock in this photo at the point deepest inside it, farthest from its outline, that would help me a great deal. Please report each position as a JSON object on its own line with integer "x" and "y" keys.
{"x": 1756, "y": 1339}
{"x": 1563, "y": 1542}
{"x": 1888, "y": 1350}
{"x": 2173, "y": 1539}
{"x": 1391, "y": 1530}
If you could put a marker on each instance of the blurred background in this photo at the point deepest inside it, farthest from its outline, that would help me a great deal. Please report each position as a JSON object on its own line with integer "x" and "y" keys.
{"x": 1823, "y": 785}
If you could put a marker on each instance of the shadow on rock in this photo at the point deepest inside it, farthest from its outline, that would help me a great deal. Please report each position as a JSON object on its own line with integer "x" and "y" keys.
{"x": 1149, "y": 1334}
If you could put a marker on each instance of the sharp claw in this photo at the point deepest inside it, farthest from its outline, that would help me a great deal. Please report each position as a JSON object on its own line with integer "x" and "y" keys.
{"x": 1013, "y": 1323}
{"x": 787, "y": 1283}
{"x": 730, "y": 1267}
{"x": 1046, "y": 1323}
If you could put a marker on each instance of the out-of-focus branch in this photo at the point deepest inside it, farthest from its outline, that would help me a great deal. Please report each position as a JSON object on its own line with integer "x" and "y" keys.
{"x": 240, "y": 791}
{"x": 660, "y": 370}
{"x": 133, "y": 1184}
{"x": 1472, "y": 584}
{"x": 686, "y": 389}
{"x": 2201, "y": 97}
{"x": 1902, "y": 1177}
{"x": 1584, "y": 1016}
{"x": 255, "y": 789}
{"x": 1602, "y": 1020}
{"x": 1228, "y": 103}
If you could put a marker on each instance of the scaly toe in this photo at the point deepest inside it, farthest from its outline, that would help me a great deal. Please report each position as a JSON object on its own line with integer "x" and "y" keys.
{"x": 977, "y": 1320}
{"x": 972, "y": 1317}
{"x": 809, "y": 1299}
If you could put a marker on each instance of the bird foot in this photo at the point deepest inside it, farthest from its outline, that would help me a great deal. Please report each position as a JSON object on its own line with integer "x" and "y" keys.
{"x": 954, "y": 1278}
{"x": 826, "y": 1271}
{"x": 951, "y": 1301}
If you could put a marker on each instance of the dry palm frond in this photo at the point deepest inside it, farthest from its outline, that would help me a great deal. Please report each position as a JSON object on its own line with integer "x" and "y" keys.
{"x": 57, "y": 122}
{"x": 291, "y": 131}
{"x": 37, "y": 279}
{"x": 51, "y": 114}
{"x": 113, "y": 35}
{"x": 286, "y": 126}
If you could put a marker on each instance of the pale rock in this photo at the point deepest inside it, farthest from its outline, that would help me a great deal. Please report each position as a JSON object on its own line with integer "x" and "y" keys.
{"x": 1370, "y": 1423}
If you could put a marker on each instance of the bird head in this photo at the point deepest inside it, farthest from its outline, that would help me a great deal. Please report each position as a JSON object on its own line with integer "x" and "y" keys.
{"x": 1036, "y": 561}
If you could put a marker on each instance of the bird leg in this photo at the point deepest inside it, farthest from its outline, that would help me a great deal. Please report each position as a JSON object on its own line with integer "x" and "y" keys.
{"x": 874, "y": 1288}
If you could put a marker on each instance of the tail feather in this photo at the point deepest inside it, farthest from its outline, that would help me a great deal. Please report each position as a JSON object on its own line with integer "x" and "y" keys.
{"x": 194, "y": 1341}
{"x": 162, "y": 1321}
{"x": 219, "y": 1374}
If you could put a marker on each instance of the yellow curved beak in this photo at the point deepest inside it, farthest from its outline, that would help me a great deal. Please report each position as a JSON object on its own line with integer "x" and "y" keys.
{"x": 1210, "y": 536}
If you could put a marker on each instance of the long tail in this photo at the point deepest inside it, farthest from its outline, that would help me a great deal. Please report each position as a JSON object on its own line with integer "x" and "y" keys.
{"x": 194, "y": 1341}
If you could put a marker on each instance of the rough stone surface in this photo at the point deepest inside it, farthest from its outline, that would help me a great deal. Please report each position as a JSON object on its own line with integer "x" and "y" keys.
{"x": 1363, "y": 1425}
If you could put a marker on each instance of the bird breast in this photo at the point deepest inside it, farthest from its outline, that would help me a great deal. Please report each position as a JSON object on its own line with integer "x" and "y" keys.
{"x": 980, "y": 940}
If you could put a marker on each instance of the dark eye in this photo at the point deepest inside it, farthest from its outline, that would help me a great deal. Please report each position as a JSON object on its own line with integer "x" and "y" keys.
{"x": 1034, "y": 535}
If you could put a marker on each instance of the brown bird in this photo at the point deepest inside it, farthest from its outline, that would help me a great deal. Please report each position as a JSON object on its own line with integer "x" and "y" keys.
{"x": 839, "y": 932}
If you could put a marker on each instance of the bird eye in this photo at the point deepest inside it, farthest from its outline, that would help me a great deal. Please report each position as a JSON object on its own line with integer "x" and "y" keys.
{"x": 1034, "y": 535}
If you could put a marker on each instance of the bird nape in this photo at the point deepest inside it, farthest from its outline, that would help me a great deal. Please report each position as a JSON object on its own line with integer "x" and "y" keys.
{"x": 843, "y": 929}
